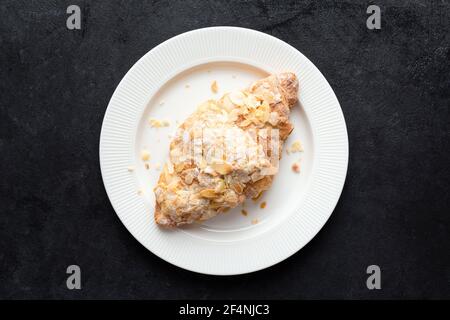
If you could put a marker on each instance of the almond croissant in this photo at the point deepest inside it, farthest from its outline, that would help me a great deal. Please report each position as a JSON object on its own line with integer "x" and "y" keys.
{"x": 225, "y": 152}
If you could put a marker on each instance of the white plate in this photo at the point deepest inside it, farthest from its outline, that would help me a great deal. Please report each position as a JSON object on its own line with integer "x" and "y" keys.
{"x": 179, "y": 73}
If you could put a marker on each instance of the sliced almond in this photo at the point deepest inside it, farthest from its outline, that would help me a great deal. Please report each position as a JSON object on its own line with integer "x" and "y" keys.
{"x": 202, "y": 164}
{"x": 220, "y": 187}
{"x": 274, "y": 118}
{"x": 226, "y": 102}
{"x": 208, "y": 193}
{"x": 231, "y": 198}
{"x": 237, "y": 98}
{"x": 251, "y": 101}
{"x": 237, "y": 187}
{"x": 261, "y": 115}
{"x": 245, "y": 123}
{"x": 256, "y": 176}
{"x": 270, "y": 171}
{"x": 222, "y": 168}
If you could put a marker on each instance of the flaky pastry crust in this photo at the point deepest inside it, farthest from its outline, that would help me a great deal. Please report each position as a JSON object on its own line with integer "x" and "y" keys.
{"x": 191, "y": 190}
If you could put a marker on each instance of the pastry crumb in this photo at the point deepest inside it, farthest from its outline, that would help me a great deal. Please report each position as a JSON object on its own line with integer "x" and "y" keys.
{"x": 296, "y": 146}
{"x": 147, "y": 166}
{"x": 157, "y": 166}
{"x": 139, "y": 192}
{"x": 255, "y": 221}
{"x": 161, "y": 102}
{"x": 263, "y": 205}
{"x": 155, "y": 123}
{"x": 130, "y": 168}
{"x": 145, "y": 155}
{"x": 187, "y": 86}
{"x": 214, "y": 87}
{"x": 296, "y": 167}
{"x": 244, "y": 212}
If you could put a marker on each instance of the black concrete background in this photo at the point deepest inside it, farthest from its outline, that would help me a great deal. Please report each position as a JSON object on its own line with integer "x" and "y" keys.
{"x": 393, "y": 86}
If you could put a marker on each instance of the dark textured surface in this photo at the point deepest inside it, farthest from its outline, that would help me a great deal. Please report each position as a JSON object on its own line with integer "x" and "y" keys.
{"x": 393, "y": 86}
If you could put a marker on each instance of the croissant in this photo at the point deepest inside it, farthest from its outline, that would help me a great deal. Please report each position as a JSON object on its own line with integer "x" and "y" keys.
{"x": 225, "y": 152}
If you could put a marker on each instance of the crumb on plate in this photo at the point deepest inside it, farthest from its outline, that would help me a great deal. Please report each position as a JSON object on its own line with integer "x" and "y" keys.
{"x": 296, "y": 146}
{"x": 244, "y": 212}
{"x": 155, "y": 123}
{"x": 130, "y": 168}
{"x": 145, "y": 155}
{"x": 214, "y": 87}
{"x": 255, "y": 221}
{"x": 263, "y": 205}
{"x": 296, "y": 167}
